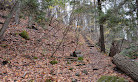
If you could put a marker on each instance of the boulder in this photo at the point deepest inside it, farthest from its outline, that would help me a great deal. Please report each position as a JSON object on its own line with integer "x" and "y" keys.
{"x": 79, "y": 55}
{"x": 74, "y": 54}
{"x": 74, "y": 80}
{"x": 71, "y": 54}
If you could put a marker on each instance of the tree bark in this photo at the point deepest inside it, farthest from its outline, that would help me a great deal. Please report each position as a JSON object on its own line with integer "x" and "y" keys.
{"x": 29, "y": 21}
{"x": 114, "y": 48}
{"x": 127, "y": 66}
{"x": 101, "y": 40}
{"x": 6, "y": 23}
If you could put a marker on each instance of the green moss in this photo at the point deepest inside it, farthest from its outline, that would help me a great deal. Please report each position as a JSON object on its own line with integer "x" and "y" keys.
{"x": 68, "y": 62}
{"x": 24, "y": 35}
{"x": 80, "y": 58}
{"x": 53, "y": 62}
{"x": 48, "y": 80}
{"x": 35, "y": 57}
{"x": 31, "y": 80}
{"x": 4, "y": 45}
{"x": 111, "y": 79}
{"x": 16, "y": 34}
{"x": 20, "y": 16}
{"x": 80, "y": 43}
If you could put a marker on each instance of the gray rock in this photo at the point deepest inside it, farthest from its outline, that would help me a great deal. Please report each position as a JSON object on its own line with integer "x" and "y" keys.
{"x": 79, "y": 55}
{"x": 71, "y": 54}
{"x": 77, "y": 74}
{"x": 85, "y": 72}
{"x": 74, "y": 80}
{"x": 77, "y": 52}
{"x": 74, "y": 54}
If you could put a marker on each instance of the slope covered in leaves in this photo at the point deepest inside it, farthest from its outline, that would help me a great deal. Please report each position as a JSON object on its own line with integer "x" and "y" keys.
{"x": 29, "y": 60}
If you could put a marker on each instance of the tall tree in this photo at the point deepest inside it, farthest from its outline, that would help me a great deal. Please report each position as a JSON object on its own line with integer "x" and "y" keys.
{"x": 101, "y": 40}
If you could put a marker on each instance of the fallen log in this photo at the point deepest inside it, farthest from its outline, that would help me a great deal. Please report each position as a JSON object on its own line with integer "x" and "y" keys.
{"x": 127, "y": 66}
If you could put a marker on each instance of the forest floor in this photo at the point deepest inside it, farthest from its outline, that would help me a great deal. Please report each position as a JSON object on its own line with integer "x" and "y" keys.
{"x": 29, "y": 60}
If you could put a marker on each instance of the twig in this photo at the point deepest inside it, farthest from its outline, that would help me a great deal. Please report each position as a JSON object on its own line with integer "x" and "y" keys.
{"x": 64, "y": 34}
{"x": 24, "y": 74}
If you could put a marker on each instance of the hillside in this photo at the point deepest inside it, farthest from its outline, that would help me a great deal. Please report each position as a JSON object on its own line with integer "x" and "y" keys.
{"x": 29, "y": 60}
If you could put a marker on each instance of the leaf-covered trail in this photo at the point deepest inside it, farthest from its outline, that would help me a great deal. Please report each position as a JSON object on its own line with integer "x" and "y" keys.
{"x": 100, "y": 64}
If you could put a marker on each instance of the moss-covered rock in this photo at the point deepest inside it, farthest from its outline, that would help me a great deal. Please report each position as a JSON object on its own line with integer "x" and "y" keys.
{"x": 53, "y": 62}
{"x": 80, "y": 58}
{"x": 24, "y": 35}
{"x": 16, "y": 34}
{"x": 111, "y": 79}
{"x": 68, "y": 62}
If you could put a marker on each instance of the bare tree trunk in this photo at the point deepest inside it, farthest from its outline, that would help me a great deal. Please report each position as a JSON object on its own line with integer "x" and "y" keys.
{"x": 127, "y": 66}
{"x": 101, "y": 40}
{"x": 6, "y": 23}
{"x": 137, "y": 9}
{"x": 62, "y": 40}
{"x": 29, "y": 21}
{"x": 17, "y": 14}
